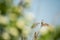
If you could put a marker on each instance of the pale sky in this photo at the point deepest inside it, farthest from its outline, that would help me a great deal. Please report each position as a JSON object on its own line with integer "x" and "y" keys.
{"x": 45, "y": 9}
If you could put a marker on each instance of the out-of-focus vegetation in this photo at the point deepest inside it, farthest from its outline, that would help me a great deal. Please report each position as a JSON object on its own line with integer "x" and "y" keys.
{"x": 13, "y": 23}
{"x": 55, "y": 35}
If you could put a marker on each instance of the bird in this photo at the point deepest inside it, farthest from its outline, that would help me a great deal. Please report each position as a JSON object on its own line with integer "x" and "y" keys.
{"x": 50, "y": 27}
{"x": 34, "y": 25}
{"x": 44, "y": 24}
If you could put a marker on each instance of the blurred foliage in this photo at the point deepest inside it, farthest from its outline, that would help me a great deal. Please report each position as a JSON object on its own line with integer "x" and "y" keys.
{"x": 4, "y": 5}
{"x": 55, "y": 35}
{"x": 13, "y": 23}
